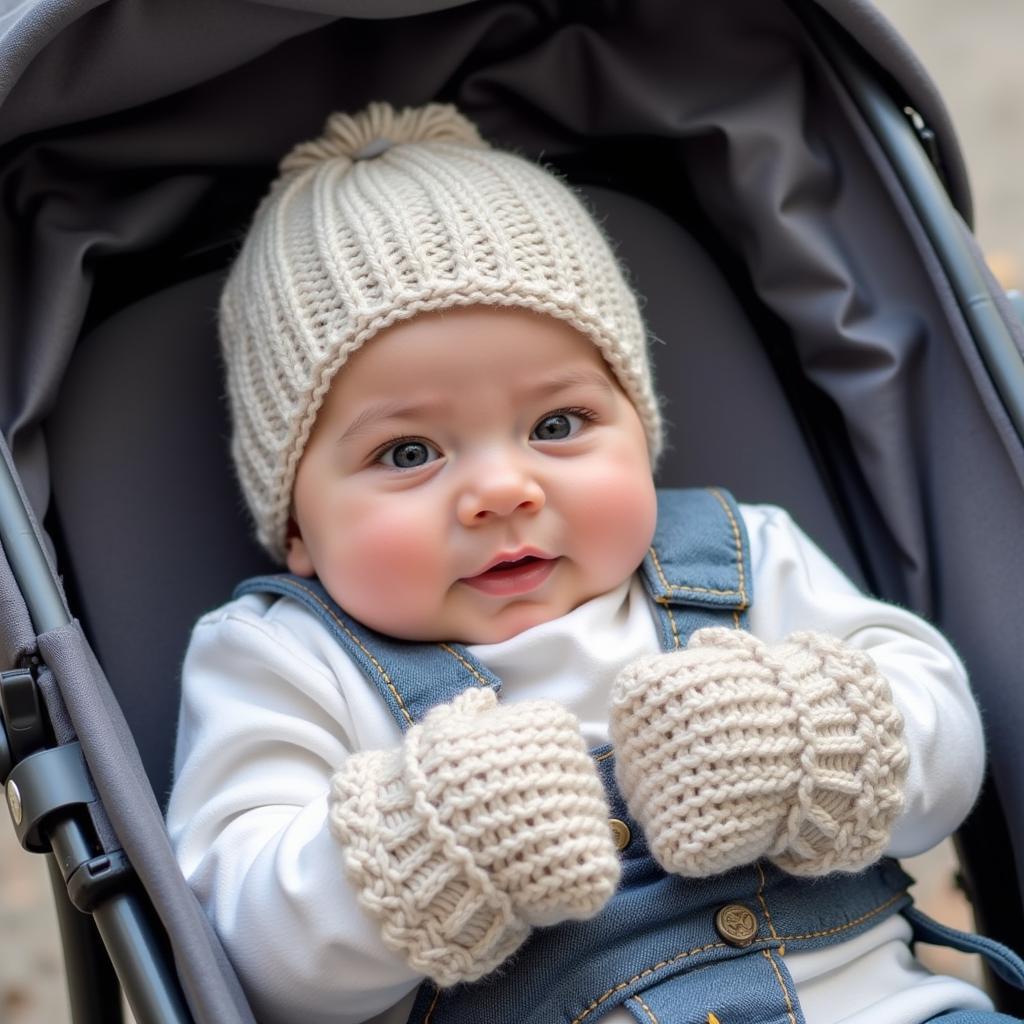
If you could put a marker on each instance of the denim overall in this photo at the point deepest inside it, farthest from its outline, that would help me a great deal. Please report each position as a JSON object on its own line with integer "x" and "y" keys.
{"x": 667, "y": 949}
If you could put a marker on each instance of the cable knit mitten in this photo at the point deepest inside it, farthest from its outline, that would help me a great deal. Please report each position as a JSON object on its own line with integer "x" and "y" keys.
{"x": 731, "y": 750}
{"x": 488, "y": 819}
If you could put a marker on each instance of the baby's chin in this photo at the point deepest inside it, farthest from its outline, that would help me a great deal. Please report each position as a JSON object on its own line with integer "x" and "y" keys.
{"x": 496, "y": 633}
{"x": 463, "y": 617}
{"x": 512, "y": 622}
{"x": 473, "y": 630}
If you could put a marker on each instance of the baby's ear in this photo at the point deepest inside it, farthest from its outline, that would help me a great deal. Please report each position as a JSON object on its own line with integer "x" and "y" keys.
{"x": 297, "y": 554}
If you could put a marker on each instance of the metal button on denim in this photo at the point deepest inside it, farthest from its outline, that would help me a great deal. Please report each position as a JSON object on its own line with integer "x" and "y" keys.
{"x": 621, "y": 834}
{"x": 736, "y": 924}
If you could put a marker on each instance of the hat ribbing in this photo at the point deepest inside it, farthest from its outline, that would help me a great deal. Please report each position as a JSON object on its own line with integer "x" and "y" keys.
{"x": 386, "y": 215}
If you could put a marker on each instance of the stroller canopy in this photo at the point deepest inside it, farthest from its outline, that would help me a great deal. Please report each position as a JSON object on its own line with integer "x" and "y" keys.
{"x": 135, "y": 130}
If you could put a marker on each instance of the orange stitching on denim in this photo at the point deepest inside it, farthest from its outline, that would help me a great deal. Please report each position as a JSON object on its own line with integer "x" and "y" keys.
{"x": 605, "y": 755}
{"x": 376, "y": 664}
{"x": 676, "y": 639}
{"x": 850, "y": 924}
{"x": 782, "y": 984}
{"x": 741, "y": 576}
{"x": 764, "y": 906}
{"x": 430, "y": 1009}
{"x": 686, "y": 587}
{"x": 465, "y": 664}
{"x": 646, "y": 1009}
{"x": 591, "y": 1007}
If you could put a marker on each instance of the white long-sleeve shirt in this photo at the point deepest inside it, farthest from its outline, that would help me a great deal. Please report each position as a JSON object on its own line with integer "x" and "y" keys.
{"x": 272, "y": 706}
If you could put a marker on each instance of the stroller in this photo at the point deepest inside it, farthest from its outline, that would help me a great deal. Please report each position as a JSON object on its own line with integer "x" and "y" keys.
{"x": 780, "y": 178}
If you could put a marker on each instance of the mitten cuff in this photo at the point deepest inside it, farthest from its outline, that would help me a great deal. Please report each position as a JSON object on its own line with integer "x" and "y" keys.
{"x": 434, "y": 905}
{"x": 853, "y": 761}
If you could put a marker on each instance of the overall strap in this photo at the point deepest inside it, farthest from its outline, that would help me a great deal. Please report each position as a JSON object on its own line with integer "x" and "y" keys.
{"x": 697, "y": 571}
{"x": 411, "y": 677}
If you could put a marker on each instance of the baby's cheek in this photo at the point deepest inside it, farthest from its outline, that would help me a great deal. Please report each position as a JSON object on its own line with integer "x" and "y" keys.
{"x": 627, "y": 495}
{"x": 618, "y": 522}
{"x": 627, "y": 527}
{"x": 394, "y": 563}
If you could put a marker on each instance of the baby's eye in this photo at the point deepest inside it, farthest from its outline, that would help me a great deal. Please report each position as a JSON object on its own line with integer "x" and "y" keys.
{"x": 408, "y": 454}
{"x": 557, "y": 426}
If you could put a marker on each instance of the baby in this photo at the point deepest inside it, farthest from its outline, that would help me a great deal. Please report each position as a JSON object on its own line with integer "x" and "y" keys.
{"x": 519, "y": 738}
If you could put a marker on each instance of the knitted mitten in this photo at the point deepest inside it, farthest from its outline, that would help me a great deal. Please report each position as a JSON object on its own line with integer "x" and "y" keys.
{"x": 731, "y": 750}
{"x": 489, "y": 818}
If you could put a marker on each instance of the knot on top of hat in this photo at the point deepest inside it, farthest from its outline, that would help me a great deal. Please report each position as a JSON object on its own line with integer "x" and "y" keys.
{"x": 377, "y": 129}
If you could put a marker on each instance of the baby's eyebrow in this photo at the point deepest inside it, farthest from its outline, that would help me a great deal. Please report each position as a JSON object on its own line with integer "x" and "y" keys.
{"x": 395, "y": 410}
{"x": 572, "y": 378}
{"x": 373, "y": 414}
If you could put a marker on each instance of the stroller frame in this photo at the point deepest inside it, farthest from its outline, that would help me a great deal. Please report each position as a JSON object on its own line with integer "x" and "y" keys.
{"x": 106, "y": 923}
{"x": 110, "y": 931}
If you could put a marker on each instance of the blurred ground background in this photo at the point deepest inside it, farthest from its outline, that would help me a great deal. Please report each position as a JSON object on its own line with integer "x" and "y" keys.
{"x": 973, "y": 53}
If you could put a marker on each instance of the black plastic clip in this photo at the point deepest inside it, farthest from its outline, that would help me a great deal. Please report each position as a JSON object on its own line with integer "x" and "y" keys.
{"x": 925, "y": 136}
{"x": 98, "y": 879}
{"x": 46, "y": 781}
{"x": 21, "y": 715}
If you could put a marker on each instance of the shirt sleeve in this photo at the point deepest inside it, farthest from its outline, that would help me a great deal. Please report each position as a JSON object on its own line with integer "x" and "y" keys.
{"x": 263, "y": 727}
{"x": 797, "y": 587}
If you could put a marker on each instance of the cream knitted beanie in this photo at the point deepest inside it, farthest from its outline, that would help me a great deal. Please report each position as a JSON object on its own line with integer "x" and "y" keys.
{"x": 388, "y": 214}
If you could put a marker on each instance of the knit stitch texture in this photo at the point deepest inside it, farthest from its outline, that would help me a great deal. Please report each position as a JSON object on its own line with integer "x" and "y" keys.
{"x": 488, "y": 820}
{"x": 730, "y": 750}
{"x": 389, "y": 214}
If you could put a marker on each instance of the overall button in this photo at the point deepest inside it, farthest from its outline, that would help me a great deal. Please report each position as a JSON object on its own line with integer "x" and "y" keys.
{"x": 736, "y": 924}
{"x": 621, "y": 834}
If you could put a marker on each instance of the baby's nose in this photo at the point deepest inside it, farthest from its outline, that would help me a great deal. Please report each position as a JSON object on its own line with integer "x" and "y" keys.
{"x": 500, "y": 493}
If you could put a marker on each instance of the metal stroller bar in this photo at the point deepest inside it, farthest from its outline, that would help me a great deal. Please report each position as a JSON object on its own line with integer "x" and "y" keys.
{"x": 48, "y": 817}
{"x": 910, "y": 146}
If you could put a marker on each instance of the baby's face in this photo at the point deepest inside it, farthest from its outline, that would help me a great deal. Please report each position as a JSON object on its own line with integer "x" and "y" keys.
{"x": 471, "y": 474}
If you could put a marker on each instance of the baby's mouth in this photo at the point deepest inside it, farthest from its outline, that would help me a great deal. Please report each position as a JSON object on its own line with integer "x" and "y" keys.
{"x": 508, "y": 578}
{"x": 517, "y": 563}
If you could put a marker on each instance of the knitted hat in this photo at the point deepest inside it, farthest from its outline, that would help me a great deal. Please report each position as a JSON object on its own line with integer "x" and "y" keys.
{"x": 388, "y": 214}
